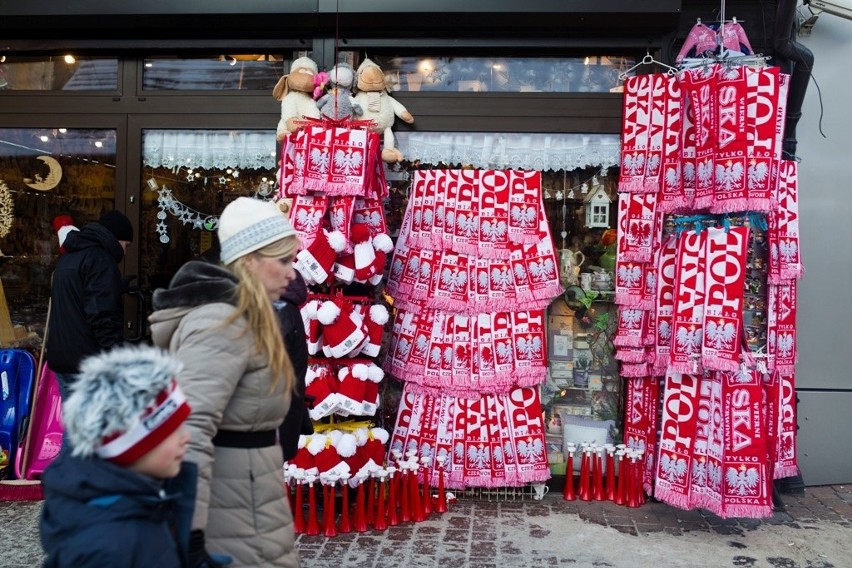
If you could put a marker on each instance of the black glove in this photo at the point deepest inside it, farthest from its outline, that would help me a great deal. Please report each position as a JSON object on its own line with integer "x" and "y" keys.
{"x": 198, "y": 556}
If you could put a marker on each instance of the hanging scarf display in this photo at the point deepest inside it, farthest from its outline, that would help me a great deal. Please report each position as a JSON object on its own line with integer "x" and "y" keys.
{"x": 700, "y": 86}
{"x": 634, "y": 133}
{"x": 340, "y": 211}
{"x": 724, "y": 284}
{"x": 677, "y": 434}
{"x": 638, "y": 229}
{"x": 640, "y": 425}
{"x": 784, "y": 260}
{"x": 786, "y": 462}
{"x": 761, "y": 123}
{"x": 465, "y": 233}
{"x": 706, "y": 474}
{"x": 731, "y": 190}
{"x": 745, "y": 468}
{"x": 494, "y": 202}
{"x": 306, "y": 214}
{"x": 656, "y": 134}
{"x": 665, "y": 305}
{"x": 478, "y": 459}
{"x": 687, "y": 150}
{"x": 782, "y": 305}
{"x": 688, "y": 311}
{"x": 671, "y": 196}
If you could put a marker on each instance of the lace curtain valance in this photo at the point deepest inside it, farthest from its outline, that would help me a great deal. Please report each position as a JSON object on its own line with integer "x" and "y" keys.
{"x": 255, "y": 149}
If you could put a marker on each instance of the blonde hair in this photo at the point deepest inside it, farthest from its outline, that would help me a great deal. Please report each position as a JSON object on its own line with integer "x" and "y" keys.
{"x": 253, "y": 304}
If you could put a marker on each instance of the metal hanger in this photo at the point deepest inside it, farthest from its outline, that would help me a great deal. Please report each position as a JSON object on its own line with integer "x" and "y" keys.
{"x": 647, "y": 60}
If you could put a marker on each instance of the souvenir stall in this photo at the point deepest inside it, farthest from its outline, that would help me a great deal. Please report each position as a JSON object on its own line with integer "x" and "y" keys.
{"x": 705, "y": 277}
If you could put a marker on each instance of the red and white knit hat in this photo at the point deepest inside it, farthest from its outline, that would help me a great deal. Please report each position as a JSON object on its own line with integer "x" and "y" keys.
{"x": 328, "y": 460}
{"x": 313, "y": 329}
{"x": 315, "y": 262}
{"x": 344, "y": 268}
{"x": 376, "y": 321}
{"x": 63, "y": 224}
{"x": 375, "y": 374}
{"x": 383, "y": 246}
{"x": 303, "y": 459}
{"x": 324, "y": 391}
{"x": 341, "y": 329}
{"x": 124, "y": 403}
{"x": 375, "y": 445}
{"x": 351, "y": 392}
{"x": 365, "y": 254}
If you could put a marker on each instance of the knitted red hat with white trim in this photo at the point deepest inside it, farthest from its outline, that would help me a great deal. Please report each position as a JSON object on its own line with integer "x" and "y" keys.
{"x": 376, "y": 321}
{"x": 364, "y": 252}
{"x": 318, "y": 259}
{"x": 341, "y": 331}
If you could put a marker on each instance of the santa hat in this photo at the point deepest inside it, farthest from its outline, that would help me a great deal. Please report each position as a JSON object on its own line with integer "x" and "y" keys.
{"x": 318, "y": 259}
{"x": 317, "y": 385}
{"x": 383, "y": 245}
{"x": 359, "y": 314}
{"x": 376, "y": 321}
{"x": 375, "y": 445}
{"x": 351, "y": 392}
{"x": 315, "y": 444}
{"x": 341, "y": 330}
{"x": 375, "y": 374}
{"x": 124, "y": 403}
{"x": 62, "y": 225}
{"x": 353, "y": 454}
{"x": 344, "y": 268}
{"x": 313, "y": 329}
{"x": 303, "y": 459}
{"x": 364, "y": 252}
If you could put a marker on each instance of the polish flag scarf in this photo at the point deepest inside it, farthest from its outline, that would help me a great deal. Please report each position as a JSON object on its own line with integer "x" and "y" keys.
{"x": 465, "y": 234}
{"x": 745, "y": 469}
{"x": 494, "y": 203}
{"x": 785, "y": 260}
{"x": 450, "y": 289}
{"x": 665, "y": 305}
{"x": 416, "y": 237}
{"x": 671, "y": 195}
{"x": 494, "y": 407}
{"x": 631, "y": 323}
{"x": 677, "y": 434}
{"x": 634, "y": 133}
{"x": 508, "y": 452}
{"x": 459, "y": 437}
{"x": 526, "y": 210}
{"x": 782, "y": 336}
{"x": 786, "y": 462}
{"x": 445, "y": 409}
{"x": 700, "y": 87}
{"x": 438, "y": 371}
{"x": 640, "y": 427}
{"x": 526, "y": 425}
{"x": 408, "y": 403}
{"x": 724, "y": 285}
{"x": 687, "y": 148}
{"x": 639, "y": 227}
{"x": 478, "y": 465}
{"x": 494, "y": 285}
{"x": 350, "y": 161}
{"x": 543, "y": 273}
{"x": 294, "y": 158}
{"x": 369, "y": 210}
{"x": 762, "y": 99}
{"x": 530, "y": 347}
{"x": 706, "y": 474}
{"x": 731, "y": 191}
{"x": 340, "y": 210}
{"x": 445, "y": 210}
{"x": 504, "y": 343}
{"x": 318, "y": 158}
{"x": 656, "y": 133}
{"x": 688, "y": 312}
{"x": 306, "y": 215}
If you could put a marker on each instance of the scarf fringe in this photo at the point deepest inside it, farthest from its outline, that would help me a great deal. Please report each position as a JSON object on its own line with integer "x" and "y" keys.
{"x": 782, "y": 471}
{"x": 673, "y": 498}
{"x": 729, "y": 205}
{"x": 746, "y": 511}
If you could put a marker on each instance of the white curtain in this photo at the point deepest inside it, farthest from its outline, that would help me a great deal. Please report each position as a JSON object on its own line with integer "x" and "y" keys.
{"x": 238, "y": 149}
{"x": 510, "y": 150}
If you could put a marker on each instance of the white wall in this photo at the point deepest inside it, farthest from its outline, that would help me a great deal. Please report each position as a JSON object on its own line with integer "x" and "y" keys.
{"x": 824, "y": 376}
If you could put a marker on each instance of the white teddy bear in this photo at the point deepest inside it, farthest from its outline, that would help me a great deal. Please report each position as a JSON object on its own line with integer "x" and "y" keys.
{"x": 295, "y": 91}
{"x": 338, "y": 102}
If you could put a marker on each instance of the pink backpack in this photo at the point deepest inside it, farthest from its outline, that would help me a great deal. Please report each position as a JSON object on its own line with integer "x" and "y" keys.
{"x": 44, "y": 434}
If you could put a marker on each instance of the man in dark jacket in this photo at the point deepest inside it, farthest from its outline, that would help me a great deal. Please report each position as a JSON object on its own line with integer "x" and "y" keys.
{"x": 86, "y": 313}
{"x": 297, "y": 420}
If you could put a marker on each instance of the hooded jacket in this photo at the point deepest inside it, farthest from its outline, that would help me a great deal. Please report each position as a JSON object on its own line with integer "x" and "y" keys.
{"x": 240, "y": 501}
{"x": 100, "y": 514}
{"x": 86, "y": 311}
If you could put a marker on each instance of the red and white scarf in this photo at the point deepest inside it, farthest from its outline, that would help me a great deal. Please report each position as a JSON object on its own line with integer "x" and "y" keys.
{"x": 494, "y": 203}
{"x": 724, "y": 285}
{"x": 782, "y": 306}
{"x": 665, "y": 305}
{"x": 761, "y": 124}
{"x": 677, "y": 436}
{"x": 526, "y": 425}
{"x": 504, "y": 343}
{"x": 465, "y": 235}
{"x": 369, "y": 210}
{"x": 708, "y": 450}
{"x": 731, "y": 191}
{"x": 350, "y": 164}
{"x": 494, "y": 285}
{"x": 671, "y": 196}
{"x": 688, "y": 312}
{"x": 478, "y": 464}
{"x": 494, "y": 407}
{"x": 452, "y": 284}
{"x": 526, "y": 209}
{"x": 638, "y": 226}
{"x": 530, "y": 347}
{"x": 786, "y": 461}
{"x": 419, "y": 183}
{"x": 634, "y": 133}
{"x": 656, "y": 133}
{"x": 629, "y": 332}
{"x": 687, "y": 148}
{"x": 340, "y": 211}
{"x": 700, "y": 87}
{"x": 306, "y": 216}
{"x": 640, "y": 422}
{"x": 745, "y": 469}
{"x": 785, "y": 260}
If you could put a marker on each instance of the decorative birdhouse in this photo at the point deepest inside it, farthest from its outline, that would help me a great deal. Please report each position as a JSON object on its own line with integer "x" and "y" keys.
{"x": 597, "y": 203}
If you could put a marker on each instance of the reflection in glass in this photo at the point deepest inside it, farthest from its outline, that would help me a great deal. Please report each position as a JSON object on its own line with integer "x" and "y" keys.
{"x": 596, "y": 74}
{"x": 238, "y": 72}
{"x": 58, "y": 73}
{"x": 47, "y": 172}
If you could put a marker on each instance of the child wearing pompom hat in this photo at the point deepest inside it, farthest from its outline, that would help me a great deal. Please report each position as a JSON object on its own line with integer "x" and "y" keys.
{"x": 107, "y": 498}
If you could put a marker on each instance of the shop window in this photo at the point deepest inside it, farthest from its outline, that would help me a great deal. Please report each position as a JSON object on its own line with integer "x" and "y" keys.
{"x": 58, "y": 73}
{"x": 592, "y": 74}
{"x": 226, "y": 72}
{"x": 189, "y": 176}
{"x": 45, "y": 173}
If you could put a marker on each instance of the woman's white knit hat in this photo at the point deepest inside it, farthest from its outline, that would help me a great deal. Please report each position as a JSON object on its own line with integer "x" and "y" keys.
{"x": 247, "y": 225}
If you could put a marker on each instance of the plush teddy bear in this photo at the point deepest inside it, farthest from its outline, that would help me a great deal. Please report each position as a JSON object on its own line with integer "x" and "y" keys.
{"x": 295, "y": 90}
{"x": 338, "y": 102}
{"x": 380, "y": 107}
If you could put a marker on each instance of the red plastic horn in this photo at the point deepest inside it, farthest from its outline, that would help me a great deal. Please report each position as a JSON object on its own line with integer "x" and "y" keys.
{"x": 380, "y": 520}
{"x": 404, "y": 510}
{"x": 371, "y": 500}
{"x": 568, "y": 493}
{"x": 597, "y": 474}
{"x": 426, "y": 498}
{"x": 393, "y": 497}
{"x": 329, "y": 516}
{"x": 585, "y": 492}
{"x": 360, "y": 523}
{"x": 441, "y": 501}
{"x": 299, "y": 509}
{"x": 414, "y": 501}
{"x": 312, "y": 526}
{"x": 621, "y": 490}
{"x": 610, "y": 472}
{"x": 344, "y": 526}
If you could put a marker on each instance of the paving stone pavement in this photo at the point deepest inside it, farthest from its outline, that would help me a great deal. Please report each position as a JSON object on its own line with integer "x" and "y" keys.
{"x": 807, "y": 530}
